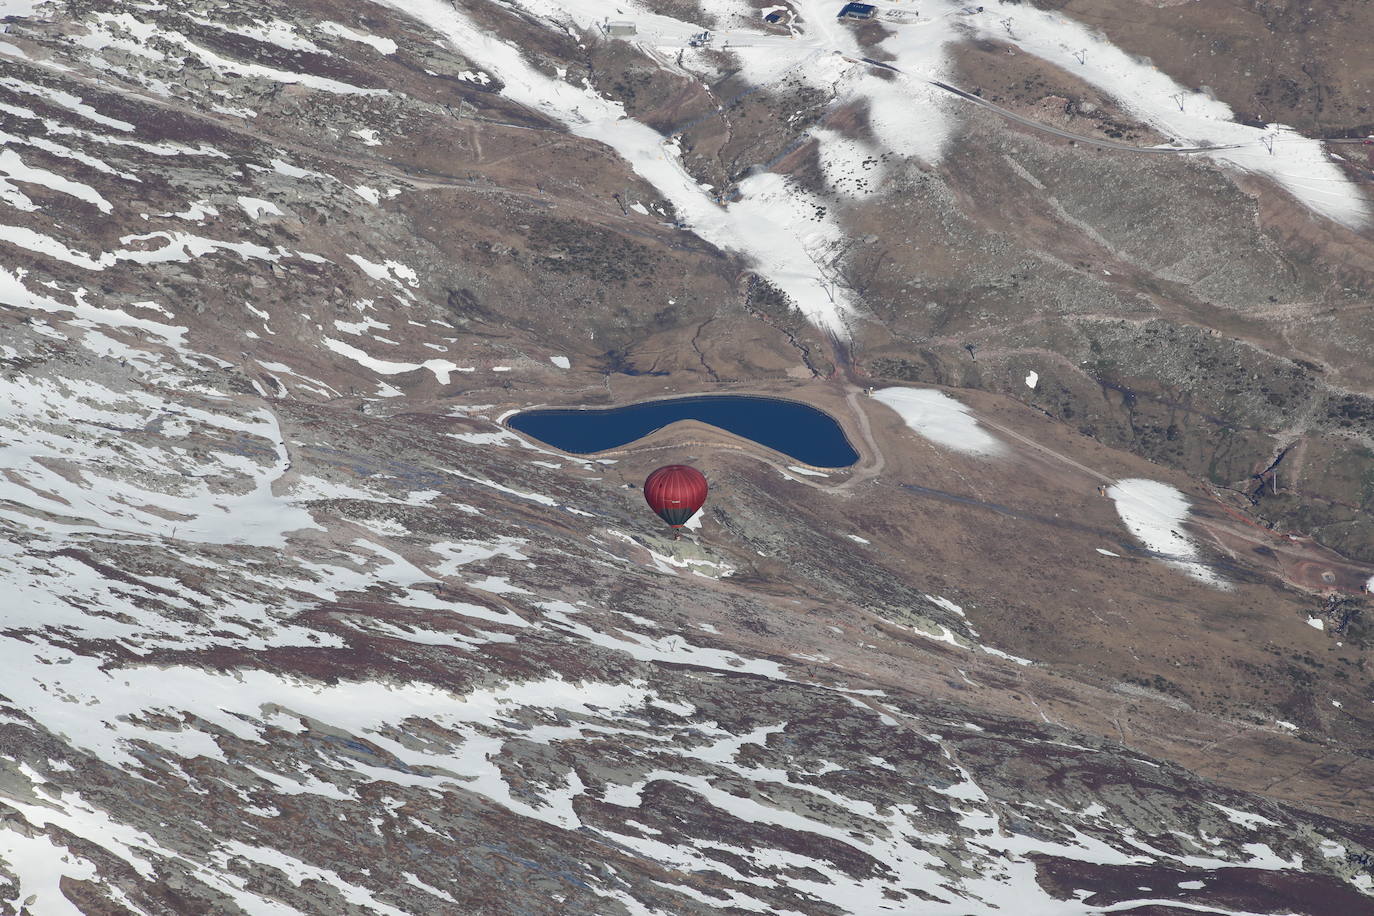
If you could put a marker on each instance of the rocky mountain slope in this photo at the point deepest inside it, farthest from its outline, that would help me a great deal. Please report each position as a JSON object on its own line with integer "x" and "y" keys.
{"x": 293, "y": 623}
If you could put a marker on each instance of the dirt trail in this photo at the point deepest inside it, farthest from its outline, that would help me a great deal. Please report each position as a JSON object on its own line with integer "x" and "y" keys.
{"x": 1298, "y": 561}
{"x": 1069, "y": 135}
{"x": 1247, "y": 545}
{"x": 1065, "y": 459}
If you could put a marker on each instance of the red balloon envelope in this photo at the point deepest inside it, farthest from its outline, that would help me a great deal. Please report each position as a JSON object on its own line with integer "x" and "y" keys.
{"x": 675, "y": 492}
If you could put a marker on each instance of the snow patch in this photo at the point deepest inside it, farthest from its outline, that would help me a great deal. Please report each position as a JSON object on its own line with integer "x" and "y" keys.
{"x": 938, "y": 417}
{"x": 379, "y": 44}
{"x": 13, "y": 168}
{"x": 1298, "y": 164}
{"x": 257, "y": 208}
{"x": 773, "y": 222}
{"x": 1245, "y": 818}
{"x": 1155, "y": 512}
{"x": 440, "y": 367}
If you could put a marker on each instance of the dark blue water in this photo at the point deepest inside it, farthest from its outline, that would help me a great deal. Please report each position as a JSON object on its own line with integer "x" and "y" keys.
{"x": 797, "y": 430}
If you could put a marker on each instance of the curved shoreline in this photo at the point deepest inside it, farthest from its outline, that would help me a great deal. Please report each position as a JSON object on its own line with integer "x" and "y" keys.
{"x": 737, "y": 426}
{"x": 869, "y": 464}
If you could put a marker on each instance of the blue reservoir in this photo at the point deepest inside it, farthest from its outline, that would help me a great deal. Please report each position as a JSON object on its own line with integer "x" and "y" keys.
{"x": 798, "y": 430}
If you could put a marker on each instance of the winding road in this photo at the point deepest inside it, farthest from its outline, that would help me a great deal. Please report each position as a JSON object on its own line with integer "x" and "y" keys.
{"x": 1302, "y": 562}
{"x": 1067, "y": 135}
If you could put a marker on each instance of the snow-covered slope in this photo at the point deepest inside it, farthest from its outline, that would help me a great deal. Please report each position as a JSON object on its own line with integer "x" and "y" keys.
{"x": 292, "y": 624}
{"x": 769, "y": 221}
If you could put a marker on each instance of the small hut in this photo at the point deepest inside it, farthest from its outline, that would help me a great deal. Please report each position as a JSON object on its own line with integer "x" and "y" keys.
{"x": 857, "y": 11}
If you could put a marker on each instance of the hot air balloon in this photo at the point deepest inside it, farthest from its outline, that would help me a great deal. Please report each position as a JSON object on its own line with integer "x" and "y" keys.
{"x": 675, "y": 492}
